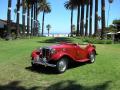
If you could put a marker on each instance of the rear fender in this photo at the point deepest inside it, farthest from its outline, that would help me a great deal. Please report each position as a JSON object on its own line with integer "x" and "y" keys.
{"x": 91, "y": 49}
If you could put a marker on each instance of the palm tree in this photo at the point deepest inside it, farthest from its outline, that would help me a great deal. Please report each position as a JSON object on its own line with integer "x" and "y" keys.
{"x": 69, "y": 5}
{"x": 9, "y": 21}
{"x": 18, "y": 17}
{"x": 103, "y": 18}
{"x": 32, "y": 6}
{"x": 45, "y": 8}
{"x": 110, "y": 2}
{"x": 82, "y": 18}
{"x": 28, "y": 16}
{"x": 34, "y": 23}
{"x": 35, "y": 18}
{"x": 78, "y": 17}
{"x": 96, "y": 17}
{"x": 87, "y": 13}
{"x": 48, "y": 28}
{"x": 15, "y": 13}
{"x": 23, "y": 16}
{"x": 90, "y": 22}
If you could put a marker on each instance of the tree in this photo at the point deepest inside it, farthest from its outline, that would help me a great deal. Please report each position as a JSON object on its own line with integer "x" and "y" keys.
{"x": 90, "y": 22}
{"x": 18, "y": 18}
{"x": 45, "y": 8}
{"x": 87, "y": 13}
{"x": 103, "y": 18}
{"x": 69, "y": 5}
{"x": 96, "y": 17}
{"x": 23, "y": 17}
{"x": 32, "y": 12}
{"x": 28, "y": 2}
{"x": 15, "y": 13}
{"x": 117, "y": 24}
{"x": 78, "y": 2}
{"x": 110, "y": 2}
{"x": 48, "y": 28}
{"x": 82, "y": 18}
{"x": 8, "y": 37}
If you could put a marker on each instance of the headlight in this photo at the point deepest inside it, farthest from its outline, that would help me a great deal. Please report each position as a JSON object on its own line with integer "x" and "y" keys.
{"x": 39, "y": 49}
{"x": 53, "y": 51}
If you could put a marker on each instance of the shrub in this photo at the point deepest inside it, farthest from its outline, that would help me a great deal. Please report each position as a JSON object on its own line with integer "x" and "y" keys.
{"x": 96, "y": 41}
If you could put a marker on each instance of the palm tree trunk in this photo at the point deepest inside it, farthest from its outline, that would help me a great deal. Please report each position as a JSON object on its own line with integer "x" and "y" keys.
{"x": 48, "y": 32}
{"x": 36, "y": 19}
{"x": 23, "y": 17}
{"x": 78, "y": 19}
{"x": 28, "y": 20}
{"x": 91, "y": 11}
{"x": 43, "y": 22}
{"x": 82, "y": 20}
{"x": 96, "y": 17}
{"x": 18, "y": 17}
{"x": 71, "y": 22}
{"x": 32, "y": 20}
{"x": 86, "y": 25}
{"x": 103, "y": 18}
{"x": 9, "y": 21}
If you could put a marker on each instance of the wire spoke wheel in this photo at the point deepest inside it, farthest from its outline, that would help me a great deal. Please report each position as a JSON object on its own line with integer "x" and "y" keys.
{"x": 62, "y": 65}
{"x": 92, "y": 57}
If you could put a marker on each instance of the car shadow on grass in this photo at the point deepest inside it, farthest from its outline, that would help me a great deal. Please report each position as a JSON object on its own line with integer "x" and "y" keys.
{"x": 72, "y": 85}
{"x": 50, "y": 70}
{"x": 56, "y": 40}
{"x": 42, "y": 69}
{"x": 15, "y": 85}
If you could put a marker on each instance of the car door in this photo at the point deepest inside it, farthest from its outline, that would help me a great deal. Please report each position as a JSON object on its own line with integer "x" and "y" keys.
{"x": 81, "y": 53}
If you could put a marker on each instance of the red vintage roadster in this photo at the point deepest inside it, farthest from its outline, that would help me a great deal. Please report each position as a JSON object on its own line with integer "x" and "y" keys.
{"x": 59, "y": 55}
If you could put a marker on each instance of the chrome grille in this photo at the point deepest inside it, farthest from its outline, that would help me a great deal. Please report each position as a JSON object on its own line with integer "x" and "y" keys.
{"x": 46, "y": 52}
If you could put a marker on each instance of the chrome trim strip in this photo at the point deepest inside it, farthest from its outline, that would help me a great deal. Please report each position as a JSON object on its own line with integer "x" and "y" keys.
{"x": 43, "y": 63}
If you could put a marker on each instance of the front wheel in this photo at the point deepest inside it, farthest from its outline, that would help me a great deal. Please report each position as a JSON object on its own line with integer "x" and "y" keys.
{"x": 92, "y": 57}
{"x": 62, "y": 65}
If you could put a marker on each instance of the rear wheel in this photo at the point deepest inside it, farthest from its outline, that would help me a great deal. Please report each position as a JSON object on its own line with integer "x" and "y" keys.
{"x": 92, "y": 57}
{"x": 62, "y": 65}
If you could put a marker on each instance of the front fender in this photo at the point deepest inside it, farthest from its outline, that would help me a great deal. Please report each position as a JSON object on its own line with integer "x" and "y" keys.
{"x": 59, "y": 55}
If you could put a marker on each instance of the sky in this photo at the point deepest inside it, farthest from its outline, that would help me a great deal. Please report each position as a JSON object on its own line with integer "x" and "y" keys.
{"x": 59, "y": 18}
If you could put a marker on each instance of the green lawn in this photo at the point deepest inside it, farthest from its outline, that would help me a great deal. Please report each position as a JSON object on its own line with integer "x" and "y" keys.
{"x": 16, "y": 73}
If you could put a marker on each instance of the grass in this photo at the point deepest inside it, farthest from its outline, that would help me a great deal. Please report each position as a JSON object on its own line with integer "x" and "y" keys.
{"x": 16, "y": 72}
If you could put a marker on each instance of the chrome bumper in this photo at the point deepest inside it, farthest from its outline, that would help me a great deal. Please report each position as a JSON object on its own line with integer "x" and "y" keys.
{"x": 43, "y": 63}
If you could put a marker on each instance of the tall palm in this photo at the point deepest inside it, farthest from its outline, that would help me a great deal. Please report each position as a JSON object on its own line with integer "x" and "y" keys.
{"x": 45, "y": 8}
{"x": 23, "y": 17}
{"x": 103, "y": 18}
{"x": 90, "y": 22}
{"x": 96, "y": 17}
{"x": 35, "y": 17}
{"x": 110, "y": 2}
{"x": 78, "y": 17}
{"x": 28, "y": 16}
{"x": 82, "y": 18}
{"x": 48, "y": 28}
{"x": 32, "y": 9}
{"x": 9, "y": 21}
{"x": 36, "y": 3}
{"x": 18, "y": 18}
{"x": 34, "y": 23}
{"x": 87, "y": 13}
{"x": 69, "y": 5}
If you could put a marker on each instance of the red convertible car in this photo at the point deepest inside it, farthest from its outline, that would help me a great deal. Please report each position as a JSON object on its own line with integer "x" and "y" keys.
{"x": 59, "y": 55}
